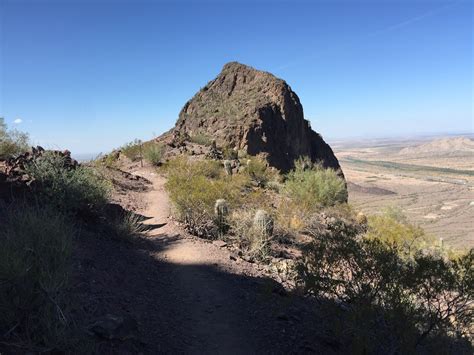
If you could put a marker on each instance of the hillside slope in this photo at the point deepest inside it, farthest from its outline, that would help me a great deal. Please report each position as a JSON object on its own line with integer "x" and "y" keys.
{"x": 253, "y": 111}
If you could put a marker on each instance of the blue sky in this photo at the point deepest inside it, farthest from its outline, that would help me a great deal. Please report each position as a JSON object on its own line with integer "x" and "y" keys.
{"x": 92, "y": 75}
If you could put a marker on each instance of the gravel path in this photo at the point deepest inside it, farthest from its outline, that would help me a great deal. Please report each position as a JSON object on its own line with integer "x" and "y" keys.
{"x": 187, "y": 295}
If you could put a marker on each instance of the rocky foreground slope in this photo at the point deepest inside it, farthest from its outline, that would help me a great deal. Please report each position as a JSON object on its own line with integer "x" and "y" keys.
{"x": 253, "y": 111}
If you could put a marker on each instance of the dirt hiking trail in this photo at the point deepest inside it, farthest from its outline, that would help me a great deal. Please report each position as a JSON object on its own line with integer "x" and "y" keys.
{"x": 191, "y": 296}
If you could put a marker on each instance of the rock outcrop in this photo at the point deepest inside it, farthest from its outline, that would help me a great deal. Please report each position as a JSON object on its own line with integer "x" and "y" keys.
{"x": 253, "y": 111}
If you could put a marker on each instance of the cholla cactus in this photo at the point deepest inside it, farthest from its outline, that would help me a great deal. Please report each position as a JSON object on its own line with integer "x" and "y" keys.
{"x": 228, "y": 167}
{"x": 221, "y": 210}
{"x": 263, "y": 223}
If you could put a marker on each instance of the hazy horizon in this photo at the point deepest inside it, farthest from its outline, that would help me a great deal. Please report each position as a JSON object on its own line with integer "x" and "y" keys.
{"x": 91, "y": 76}
{"x": 86, "y": 156}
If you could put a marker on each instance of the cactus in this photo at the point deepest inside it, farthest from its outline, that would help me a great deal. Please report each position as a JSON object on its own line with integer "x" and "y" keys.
{"x": 263, "y": 223}
{"x": 228, "y": 167}
{"x": 361, "y": 218}
{"x": 221, "y": 210}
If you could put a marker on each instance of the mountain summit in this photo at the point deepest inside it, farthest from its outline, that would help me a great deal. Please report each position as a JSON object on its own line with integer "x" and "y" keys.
{"x": 254, "y": 111}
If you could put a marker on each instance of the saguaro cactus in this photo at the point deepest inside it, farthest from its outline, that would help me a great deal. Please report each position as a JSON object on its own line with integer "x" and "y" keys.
{"x": 263, "y": 223}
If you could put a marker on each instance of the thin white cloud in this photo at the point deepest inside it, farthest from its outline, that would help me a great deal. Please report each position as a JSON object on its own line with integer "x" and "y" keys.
{"x": 18, "y": 121}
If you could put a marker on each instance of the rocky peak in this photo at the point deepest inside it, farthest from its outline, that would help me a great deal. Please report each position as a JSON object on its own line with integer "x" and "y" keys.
{"x": 254, "y": 111}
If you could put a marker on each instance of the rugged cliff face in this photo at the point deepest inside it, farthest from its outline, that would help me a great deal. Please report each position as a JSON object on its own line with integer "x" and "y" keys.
{"x": 251, "y": 110}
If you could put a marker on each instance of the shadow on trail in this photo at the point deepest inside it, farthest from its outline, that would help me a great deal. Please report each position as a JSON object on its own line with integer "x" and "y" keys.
{"x": 186, "y": 308}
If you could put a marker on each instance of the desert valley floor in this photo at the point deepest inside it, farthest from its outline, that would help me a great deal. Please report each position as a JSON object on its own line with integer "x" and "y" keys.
{"x": 432, "y": 181}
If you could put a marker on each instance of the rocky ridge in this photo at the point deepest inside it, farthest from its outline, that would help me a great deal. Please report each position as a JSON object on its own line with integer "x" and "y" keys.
{"x": 252, "y": 112}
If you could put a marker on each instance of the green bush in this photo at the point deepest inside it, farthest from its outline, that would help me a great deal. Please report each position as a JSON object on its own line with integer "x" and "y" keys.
{"x": 66, "y": 188}
{"x": 109, "y": 160}
{"x": 201, "y": 139}
{"x": 35, "y": 250}
{"x": 304, "y": 163}
{"x": 153, "y": 153}
{"x": 133, "y": 150}
{"x": 12, "y": 142}
{"x": 182, "y": 166}
{"x": 315, "y": 187}
{"x": 229, "y": 153}
{"x": 392, "y": 304}
{"x": 393, "y": 228}
{"x": 259, "y": 172}
{"x": 194, "y": 187}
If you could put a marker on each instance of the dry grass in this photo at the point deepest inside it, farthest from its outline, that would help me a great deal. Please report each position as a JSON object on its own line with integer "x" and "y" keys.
{"x": 35, "y": 249}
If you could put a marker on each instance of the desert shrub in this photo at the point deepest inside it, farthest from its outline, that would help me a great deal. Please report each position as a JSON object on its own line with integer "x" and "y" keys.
{"x": 133, "y": 150}
{"x": 393, "y": 228}
{"x": 291, "y": 217}
{"x": 110, "y": 160}
{"x": 201, "y": 139}
{"x": 248, "y": 237}
{"x": 315, "y": 188}
{"x": 35, "y": 249}
{"x": 194, "y": 187}
{"x": 68, "y": 189}
{"x": 259, "y": 172}
{"x": 126, "y": 228}
{"x": 229, "y": 153}
{"x": 182, "y": 166}
{"x": 304, "y": 163}
{"x": 392, "y": 304}
{"x": 12, "y": 142}
{"x": 153, "y": 153}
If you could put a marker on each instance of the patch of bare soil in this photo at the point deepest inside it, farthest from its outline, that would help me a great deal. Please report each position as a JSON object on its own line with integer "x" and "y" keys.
{"x": 172, "y": 293}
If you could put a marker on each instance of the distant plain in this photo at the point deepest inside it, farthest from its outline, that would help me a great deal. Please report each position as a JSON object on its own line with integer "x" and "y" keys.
{"x": 430, "y": 179}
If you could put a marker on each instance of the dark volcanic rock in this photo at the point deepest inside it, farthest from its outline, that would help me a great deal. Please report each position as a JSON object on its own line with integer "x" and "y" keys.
{"x": 253, "y": 111}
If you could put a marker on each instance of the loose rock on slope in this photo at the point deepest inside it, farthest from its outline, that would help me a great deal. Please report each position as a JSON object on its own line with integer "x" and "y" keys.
{"x": 253, "y": 111}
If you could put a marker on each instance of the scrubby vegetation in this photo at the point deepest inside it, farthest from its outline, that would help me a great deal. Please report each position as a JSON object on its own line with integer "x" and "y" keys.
{"x": 35, "y": 248}
{"x": 392, "y": 228}
{"x": 12, "y": 142}
{"x": 390, "y": 287}
{"x": 137, "y": 150}
{"x": 133, "y": 150}
{"x": 389, "y": 302}
{"x": 194, "y": 188}
{"x": 201, "y": 139}
{"x": 385, "y": 285}
{"x": 127, "y": 228}
{"x": 153, "y": 153}
{"x": 64, "y": 201}
{"x": 195, "y": 185}
{"x": 258, "y": 171}
{"x": 315, "y": 187}
{"x": 68, "y": 189}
